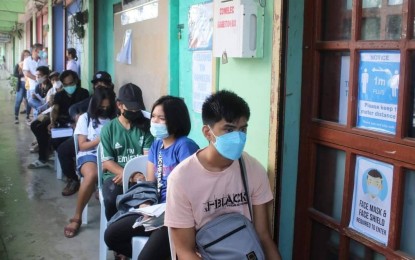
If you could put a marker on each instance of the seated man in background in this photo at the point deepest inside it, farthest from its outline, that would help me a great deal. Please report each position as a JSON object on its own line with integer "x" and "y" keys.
{"x": 38, "y": 97}
{"x": 59, "y": 117}
{"x": 66, "y": 150}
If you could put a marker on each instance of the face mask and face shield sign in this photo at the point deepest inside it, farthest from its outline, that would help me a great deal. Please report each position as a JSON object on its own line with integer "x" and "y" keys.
{"x": 372, "y": 199}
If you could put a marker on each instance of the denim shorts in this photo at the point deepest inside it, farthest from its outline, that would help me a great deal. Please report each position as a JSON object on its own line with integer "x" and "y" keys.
{"x": 84, "y": 159}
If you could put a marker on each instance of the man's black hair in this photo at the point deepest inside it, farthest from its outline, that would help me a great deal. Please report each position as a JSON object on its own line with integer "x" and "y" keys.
{"x": 224, "y": 105}
{"x": 72, "y": 73}
{"x": 37, "y": 46}
{"x": 374, "y": 173}
{"x": 44, "y": 70}
{"x": 176, "y": 115}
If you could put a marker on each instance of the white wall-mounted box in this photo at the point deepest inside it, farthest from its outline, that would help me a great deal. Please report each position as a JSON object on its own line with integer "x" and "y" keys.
{"x": 238, "y": 29}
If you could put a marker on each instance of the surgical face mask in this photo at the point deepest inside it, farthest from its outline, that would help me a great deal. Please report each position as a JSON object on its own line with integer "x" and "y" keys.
{"x": 43, "y": 54}
{"x": 373, "y": 190}
{"x": 131, "y": 115}
{"x": 70, "y": 89}
{"x": 57, "y": 85}
{"x": 159, "y": 130}
{"x": 40, "y": 80}
{"x": 230, "y": 145}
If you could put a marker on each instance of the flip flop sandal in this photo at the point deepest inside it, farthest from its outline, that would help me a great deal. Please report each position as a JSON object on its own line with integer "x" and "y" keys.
{"x": 37, "y": 164}
{"x": 71, "y": 232}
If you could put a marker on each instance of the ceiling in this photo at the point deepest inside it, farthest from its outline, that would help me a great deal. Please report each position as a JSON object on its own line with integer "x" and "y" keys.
{"x": 9, "y": 13}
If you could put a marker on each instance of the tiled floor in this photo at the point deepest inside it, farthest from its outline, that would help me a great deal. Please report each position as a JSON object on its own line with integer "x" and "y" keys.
{"x": 33, "y": 212}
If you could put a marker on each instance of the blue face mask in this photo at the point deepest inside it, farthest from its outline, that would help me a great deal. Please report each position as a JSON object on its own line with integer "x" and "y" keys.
{"x": 70, "y": 89}
{"x": 230, "y": 145}
{"x": 159, "y": 130}
{"x": 373, "y": 190}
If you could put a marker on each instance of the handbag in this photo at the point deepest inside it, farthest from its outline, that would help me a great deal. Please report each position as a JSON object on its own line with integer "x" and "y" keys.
{"x": 230, "y": 236}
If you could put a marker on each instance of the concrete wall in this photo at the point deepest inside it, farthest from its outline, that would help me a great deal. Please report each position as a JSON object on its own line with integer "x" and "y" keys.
{"x": 251, "y": 79}
{"x": 149, "y": 54}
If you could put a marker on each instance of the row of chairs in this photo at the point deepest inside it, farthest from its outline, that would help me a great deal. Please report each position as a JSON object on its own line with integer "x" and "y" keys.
{"x": 136, "y": 164}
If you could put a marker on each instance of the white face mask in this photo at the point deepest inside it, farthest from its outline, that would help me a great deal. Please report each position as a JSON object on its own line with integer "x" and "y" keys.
{"x": 41, "y": 80}
{"x": 57, "y": 85}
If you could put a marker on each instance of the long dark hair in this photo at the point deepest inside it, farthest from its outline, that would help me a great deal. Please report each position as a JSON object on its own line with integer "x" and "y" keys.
{"x": 176, "y": 115}
{"x": 99, "y": 95}
{"x": 23, "y": 53}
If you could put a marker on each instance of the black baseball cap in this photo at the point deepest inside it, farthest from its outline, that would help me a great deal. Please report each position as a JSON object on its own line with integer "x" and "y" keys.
{"x": 131, "y": 96}
{"x": 102, "y": 76}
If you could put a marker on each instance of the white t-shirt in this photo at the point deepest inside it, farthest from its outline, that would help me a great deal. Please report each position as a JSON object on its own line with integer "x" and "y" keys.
{"x": 88, "y": 130}
{"x": 195, "y": 195}
{"x": 29, "y": 64}
{"x": 72, "y": 65}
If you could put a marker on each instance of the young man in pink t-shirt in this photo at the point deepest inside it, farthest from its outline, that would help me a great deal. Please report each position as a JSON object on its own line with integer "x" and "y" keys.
{"x": 209, "y": 183}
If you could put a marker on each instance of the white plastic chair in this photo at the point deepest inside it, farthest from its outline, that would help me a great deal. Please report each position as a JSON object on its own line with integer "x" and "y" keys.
{"x": 137, "y": 164}
{"x": 57, "y": 167}
{"x": 103, "y": 249}
{"x": 172, "y": 249}
{"x": 85, "y": 211}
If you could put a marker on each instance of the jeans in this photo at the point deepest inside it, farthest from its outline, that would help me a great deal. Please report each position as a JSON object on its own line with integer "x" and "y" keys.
{"x": 35, "y": 104}
{"x": 28, "y": 107}
{"x": 20, "y": 95}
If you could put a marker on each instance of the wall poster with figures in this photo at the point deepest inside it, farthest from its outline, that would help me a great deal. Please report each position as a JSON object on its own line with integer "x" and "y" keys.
{"x": 378, "y": 90}
{"x": 372, "y": 198}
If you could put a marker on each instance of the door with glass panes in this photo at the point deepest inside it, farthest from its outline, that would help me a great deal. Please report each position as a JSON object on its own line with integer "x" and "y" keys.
{"x": 356, "y": 181}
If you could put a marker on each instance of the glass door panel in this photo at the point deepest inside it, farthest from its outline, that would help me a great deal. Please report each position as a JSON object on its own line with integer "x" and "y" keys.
{"x": 329, "y": 181}
{"x": 408, "y": 218}
{"x": 334, "y": 86}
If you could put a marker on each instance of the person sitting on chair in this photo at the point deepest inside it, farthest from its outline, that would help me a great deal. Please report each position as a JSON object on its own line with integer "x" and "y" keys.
{"x": 215, "y": 176}
{"x": 101, "y": 110}
{"x": 170, "y": 125}
{"x": 125, "y": 137}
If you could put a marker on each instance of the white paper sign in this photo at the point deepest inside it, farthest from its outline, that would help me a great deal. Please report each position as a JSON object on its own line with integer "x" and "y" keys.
{"x": 124, "y": 56}
{"x": 372, "y": 199}
{"x": 344, "y": 89}
{"x": 201, "y": 78}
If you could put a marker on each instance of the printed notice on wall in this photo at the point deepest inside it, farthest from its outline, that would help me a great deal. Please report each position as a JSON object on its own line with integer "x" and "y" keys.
{"x": 201, "y": 78}
{"x": 372, "y": 199}
{"x": 378, "y": 90}
{"x": 344, "y": 89}
{"x": 201, "y": 26}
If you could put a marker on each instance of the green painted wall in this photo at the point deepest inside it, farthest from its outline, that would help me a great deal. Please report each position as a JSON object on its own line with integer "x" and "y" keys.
{"x": 181, "y": 63}
{"x": 251, "y": 79}
{"x": 104, "y": 36}
{"x": 291, "y": 125}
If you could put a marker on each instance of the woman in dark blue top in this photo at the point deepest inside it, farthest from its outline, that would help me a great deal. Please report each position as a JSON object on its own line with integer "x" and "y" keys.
{"x": 170, "y": 125}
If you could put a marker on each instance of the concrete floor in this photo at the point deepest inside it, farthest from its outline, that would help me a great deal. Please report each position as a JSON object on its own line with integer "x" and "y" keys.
{"x": 33, "y": 212}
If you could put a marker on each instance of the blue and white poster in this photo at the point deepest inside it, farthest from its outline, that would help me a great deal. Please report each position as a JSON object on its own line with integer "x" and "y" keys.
{"x": 372, "y": 198}
{"x": 378, "y": 90}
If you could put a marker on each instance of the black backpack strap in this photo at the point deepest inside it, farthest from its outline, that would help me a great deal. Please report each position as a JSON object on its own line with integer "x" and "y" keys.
{"x": 245, "y": 182}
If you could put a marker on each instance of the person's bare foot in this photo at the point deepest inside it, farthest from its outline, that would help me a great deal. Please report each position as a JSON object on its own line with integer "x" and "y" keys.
{"x": 72, "y": 228}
